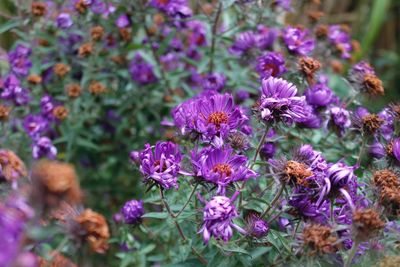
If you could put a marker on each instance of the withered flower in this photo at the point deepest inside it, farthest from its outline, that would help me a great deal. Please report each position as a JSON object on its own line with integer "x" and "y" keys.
{"x": 74, "y": 90}
{"x": 385, "y": 178}
{"x": 125, "y": 34}
{"x": 4, "y": 112}
{"x": 11, "y": 166}
{"x": 97, "y": 33}
{"x": 297, "y": 173}
{"x": 337, "y": 66}
{"x": 373, "y": 85}
{"x": 61, "y": 69}
{"x": 158, "y": 19}
{"x": 371, "y": 123}
{"x": 39, "y": 9}
{"x": 315, "y": 16}
{"x": 319, "y": 239}
{"x": 81, "y": 6}
{"x": 56, "y": 182}
{"x": 34, "y": 79}
{"x": 97, "y": 88}
{"x": 309, "y": 66}
{"x": 96, "y": 230}
{"x": 238, "y": 141}
{"x": 60, "y": 113}
{"x": 366, "y": 224}
{"x": 85, "y": 50}
{"x": 321, "y": 30}
{"x": 57, "y": 260}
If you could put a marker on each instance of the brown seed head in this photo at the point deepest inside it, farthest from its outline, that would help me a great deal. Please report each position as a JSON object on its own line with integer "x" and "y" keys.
{"x": 315, "y": 16}
{"x": 97, "y": 88}
{"x": 34, "y": 79}
{"x": 207, "y": 8}
{"x": 385, "y": 178}
{"x": 158, "y": 19}
{"x": 366, "y": 224}
{"x": 238, "y": 141}
{"x": 337, "y": 66}
{"x": 61, "y": 69}
{"x": 57, "y": 260}
{"x": 371, "y": 123}
{"x": 12, "y": 167}
{"x": 97, "y": 33}
{"x": 81, "y": 6}
{"x": 4, "y": 112}
{"x": 39, "y": 9}
{"x": 373, "y": 85}
{"x": 356, "y": 46}
{"x": 297, "y": 173}
{"x": 74, "y": 90}
{"x": 309, "y": 66}
{"x": 125, "y": 34}
{"x": 85, "y": 50}
{"x": 60, "y": 113}
{"x": 96, "y": 230}
{"x": 321, "y": 30}
{"x": 320, "y": 239}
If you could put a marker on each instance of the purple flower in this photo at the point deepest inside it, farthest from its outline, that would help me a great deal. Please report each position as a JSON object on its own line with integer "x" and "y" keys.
{"x": 313, "y": 120}
{"x": 43, "y": 147}
{"x": 358, "y": 72}
{"x": 242, "y": 95}
{"x": 265, "y": 37}
{"x": 341, "y": 40}
{"x": 257, "y": 227}
{"x": 217, "y": 219}
{"x": 396, "y": 148}
{"x": 284, "y": 4}
{"x": 141, "y": 71}
{"x": 377, "y": 150}
{"x": 35, "y": 125}
{"x": 319, "y": 95}
{"x": 279, "y": 101}
{"x": 213, "y": 81}
{"x": 387, "y": 128}
{"x": 243, "y": 43}
{"x": 271, "y": 64}
{"x": 221, "y": 167}
{"x": 132, "y": 211}
{"x": 269, "y": 148}
{"x": 340, "y": 118}
{"x": 297, "y": 41}
{"x": 135, "y": 156}
{"x": 19, "y": 61}
{"x": 47, "y": 105}
{"x": 64, "y": 21}
{"x": 13, "y": 91}
{"x": 163, "y": 165}
{"x": 123, "y": 21}
{"x": 198, "y": 33}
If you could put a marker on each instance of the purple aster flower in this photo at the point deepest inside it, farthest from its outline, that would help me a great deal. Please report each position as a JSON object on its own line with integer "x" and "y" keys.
{"x": 141, "y": 71}
{"x": 35, "y": 125}
{"x": 297, "y": 41}
{"x": 47, "y": 105}
{"x": 64, "y": 21}
{"x": 197, "y": 35}
{"x": 19, "y": 61}
{"x": 340, "y": 118}
{"x": 284, "y": 4}
{"x": 221, "y": 166}
{"x": 135, "y": 156}
{"x": 341, "y": 40}
{"x": 269, "y": 148}
{"x": 217, "y": 219}
{"x": 265, "y": 37}
{"x": 257, "y": 227}
{"x": 242, "y": 95}
{"x": 319, "y": 95}
{"x": 396, "y": 148}
{"x": 132, "y": 211}
{"x": 387, "y": 128}
{"x": 43, "y": 147}
{"x": 243, "y": 43}
{"x": 279, "y": 101}
{"x": 171, "y": 61}
{"x": 123, "y": 21}
{"x": 306, "y": 207}
{"x": 214, "y": 81}
{"x": 313, "y": 120}
{"x": 163, "y": 165}
{"x": 377, "y": 150}
{"x": 270, "y": 64}
{"x": 102, "y": 7}
{"x": 21, "y": 96}
{"x": 358, "y": 72}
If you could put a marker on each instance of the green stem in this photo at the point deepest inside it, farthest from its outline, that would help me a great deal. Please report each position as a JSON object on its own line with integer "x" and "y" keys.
{"x": 187, "y": 202}
{"x": 276, "y": 198}
{"x": 213, "y": 39}
{"x": 352, "y": 253}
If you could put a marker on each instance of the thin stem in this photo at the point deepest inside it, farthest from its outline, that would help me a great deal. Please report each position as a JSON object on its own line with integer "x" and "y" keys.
{"x": 276, "y": 198}
{"x": 332, "y": 207}
{"x": 260, "y": 144}
{"x": 165, "y": 203}
{"x": 352, "y": 254}
{"x": 213, "y": 39}
{"x": 187, "y": 202}
{"x": 361, "y": 151}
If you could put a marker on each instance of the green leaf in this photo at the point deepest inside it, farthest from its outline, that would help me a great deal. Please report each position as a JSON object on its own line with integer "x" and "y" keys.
{"x": 10, "y": 25}
{"x": 156, "y": 215}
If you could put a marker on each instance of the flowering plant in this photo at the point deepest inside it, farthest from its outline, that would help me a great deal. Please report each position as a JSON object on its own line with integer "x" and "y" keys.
{"x": 206, "y": 133}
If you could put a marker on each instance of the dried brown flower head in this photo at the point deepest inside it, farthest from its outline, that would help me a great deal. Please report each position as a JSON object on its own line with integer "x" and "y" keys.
{"x": 61, "y": 69}
{"x": 238, "y": 141}
{"x": 43, "y": 42}
{"x": 297, "y": 173}
{"x": 345, "y": 28}
{"x": 34, "y": 79}
{"x": 60, "y": 113}
{"x": 385, "y": 178}
{"x": 12, "y": 167}
{"x": 56, "y": 182}
{"x": 39, "y": 9}
{"x": 337, "y": 66}
{"x": 81, "y": 6}
{"x": 158, "y": 19}
{"x": 97, "y": 33}
{"x": 119, "y": 59}
{"x": 366, "y": 223}
{"x": 4, "y": 112}
{"x": 309, "y": 66}
{"x": 207, "y": 8}
{"x": 373, "y": 85}
{"x": 371, "y": 123}
{"x": 57, "y": 260}
{"x": 321, "y": 30}
{"x": 315, "y": 16}
{"x": 96, "y": 230}
{"x": 355, "y": 45}
{"x": 389, "y": 261}
{"x": 97, "y": 88}
{"x": 74, "y": 90}
{"x": 125, "y": 34}
{"x": 152, "y": 30}
{"x": 319, "y": 239}
{"x": 85, "y": 50}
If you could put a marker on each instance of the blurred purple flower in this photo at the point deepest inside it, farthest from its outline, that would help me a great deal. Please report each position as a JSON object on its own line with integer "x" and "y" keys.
{"x": 141, "y": 71}
{"x": 214, "y": 81}
{"x": 319, "y": 95}
{"x": 132, "y": 211}
{"x": 43, "y": 147}
{"x": 64, "y": 21}
{"x": 123, "y": 21}
{"x": 270, "y": 64}
{"x": 297, "y": 40}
